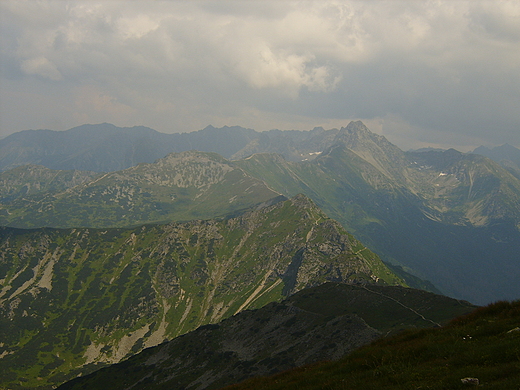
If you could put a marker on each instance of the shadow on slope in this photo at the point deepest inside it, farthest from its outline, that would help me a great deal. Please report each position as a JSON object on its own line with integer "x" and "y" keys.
{"x": 315, "y": 324}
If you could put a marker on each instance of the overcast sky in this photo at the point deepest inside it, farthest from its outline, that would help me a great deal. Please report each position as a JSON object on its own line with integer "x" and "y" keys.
{"x": 421, "y": 73}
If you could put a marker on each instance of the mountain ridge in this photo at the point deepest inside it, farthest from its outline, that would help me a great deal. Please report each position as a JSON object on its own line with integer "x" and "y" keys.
{"x": 447, "y": 217}
{"x": 105, "y": 147}
{"x": 475, "y": 350}
{"x": 180, "y": 186}
{"x": 319, "y": 323}
{"x": 73, "y": 300}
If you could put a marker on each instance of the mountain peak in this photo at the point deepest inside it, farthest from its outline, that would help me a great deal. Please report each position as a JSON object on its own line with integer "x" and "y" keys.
{"x": 356, "y": 127}
{"x": 356, "y": 135}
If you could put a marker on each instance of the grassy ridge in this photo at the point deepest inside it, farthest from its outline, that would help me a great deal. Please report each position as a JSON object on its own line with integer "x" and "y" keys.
{"x": 179, "y": 187}
{"x": 484, "y": 345}
{"x": 74, "y": 299}
{"x": 315, "y": 324}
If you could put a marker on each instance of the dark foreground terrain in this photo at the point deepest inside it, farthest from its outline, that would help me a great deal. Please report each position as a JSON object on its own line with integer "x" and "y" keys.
{"x": 483, "y": 345}
{"x": 316, "y": 324}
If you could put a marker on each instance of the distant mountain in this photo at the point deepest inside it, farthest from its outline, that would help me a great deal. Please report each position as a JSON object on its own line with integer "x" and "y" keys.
{"x": 73, "y": 300}
{"x": 294, "y": 145}
{"x": 428, "y": 149}
{"x": 316, "y": 324}
{"x": 181, "y": 186}
{"x": 445, "y": 216}
{"x": 451, "y": 218}
{"x": 506, "y": 155}
{"x": 106, "y": 148}
{"x": 479, "y": 350}
{"x": 467, "y": 188}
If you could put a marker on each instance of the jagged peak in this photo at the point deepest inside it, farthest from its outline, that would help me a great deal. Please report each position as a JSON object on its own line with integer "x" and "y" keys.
{"x": 355, "y": 127}
{"x": 357, "y": 132}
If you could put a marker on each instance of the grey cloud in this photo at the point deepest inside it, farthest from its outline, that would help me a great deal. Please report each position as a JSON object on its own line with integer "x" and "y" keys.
{"x": 433, "y": 69}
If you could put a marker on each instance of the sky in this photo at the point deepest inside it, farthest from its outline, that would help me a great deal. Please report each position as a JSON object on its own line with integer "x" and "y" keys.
{"x": 421, "y": 73}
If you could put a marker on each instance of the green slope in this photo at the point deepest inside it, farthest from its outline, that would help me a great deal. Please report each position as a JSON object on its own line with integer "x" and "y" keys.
{"x": 482, "y": 345}
{"x": 447, "y": 217}
{"x": 315, "y": 324}
{"x": 183, "y": 186}
{"x": 72, "y": 300}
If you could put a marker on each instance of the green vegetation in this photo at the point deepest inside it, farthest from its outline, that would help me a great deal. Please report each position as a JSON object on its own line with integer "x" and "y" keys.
{"x": 484, "y": 345}
{"x": 106, "y": 286}
{"x": 73, "y": 300}
{"x": 457, "y": 211}
{"x": 179, "y": 187}
{"x": 319, "y": 323}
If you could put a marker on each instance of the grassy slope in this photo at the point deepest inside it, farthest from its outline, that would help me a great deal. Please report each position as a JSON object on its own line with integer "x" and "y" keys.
{"x": 476, "y": 263}
{"x": 484, "y": 344}
{"x": 66, "y": 292}
{"x": 179, "y": 187}
{"x": 322, "y": 322}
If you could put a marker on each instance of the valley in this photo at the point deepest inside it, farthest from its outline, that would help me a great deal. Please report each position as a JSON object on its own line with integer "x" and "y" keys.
{"x": 106, "y": 255}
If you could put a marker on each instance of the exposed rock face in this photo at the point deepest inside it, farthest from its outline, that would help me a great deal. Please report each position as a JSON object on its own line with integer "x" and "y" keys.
{"x": 89, "y": 296}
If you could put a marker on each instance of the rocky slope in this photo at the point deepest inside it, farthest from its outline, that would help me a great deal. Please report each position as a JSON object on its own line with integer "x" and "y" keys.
{"x": 316, "y": 324}
{"x": 181, "y": 186}
{"x": 478, "y": 350}
{"x": 73, "y": 300}
{"x": 448, "y": 217}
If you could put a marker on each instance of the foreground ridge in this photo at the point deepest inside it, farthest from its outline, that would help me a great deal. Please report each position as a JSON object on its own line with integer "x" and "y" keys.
{"x": 478, "y": 348}
{"x": 315, "y": 324}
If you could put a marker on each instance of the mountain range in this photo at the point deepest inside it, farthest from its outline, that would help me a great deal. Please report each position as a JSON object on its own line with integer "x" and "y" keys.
{"x": 106, "y": 148}
{"x": 114, "y": 244}
{"x": 322, "y": 323}
{"x": 444, "y": 216}
{"x": 74, "y": 300}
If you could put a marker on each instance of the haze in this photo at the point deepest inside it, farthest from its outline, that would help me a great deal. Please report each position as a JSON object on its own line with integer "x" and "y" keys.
{"x": 421, "y": 73}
